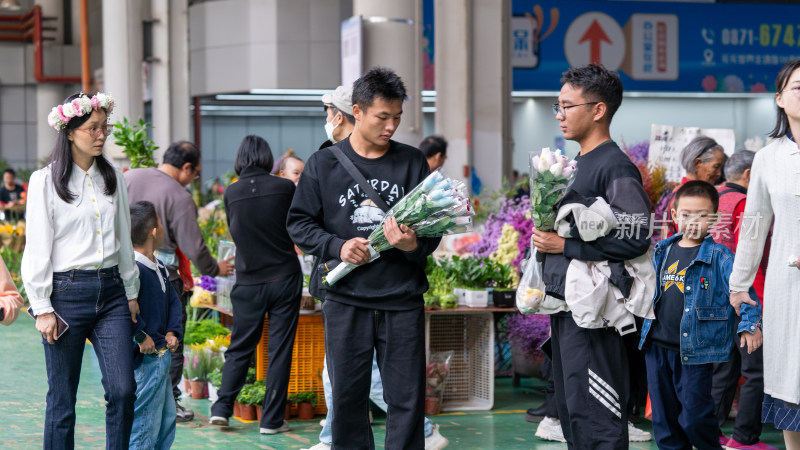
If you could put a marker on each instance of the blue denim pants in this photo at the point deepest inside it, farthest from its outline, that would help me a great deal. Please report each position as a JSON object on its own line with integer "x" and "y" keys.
{"x": 94, "y": 305}
{"x": 154, "y": 413}
{"x": 375, "y": 394}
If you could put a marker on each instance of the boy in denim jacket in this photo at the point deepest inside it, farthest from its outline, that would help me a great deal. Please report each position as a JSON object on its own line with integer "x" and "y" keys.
{"x": 694, "y": 324}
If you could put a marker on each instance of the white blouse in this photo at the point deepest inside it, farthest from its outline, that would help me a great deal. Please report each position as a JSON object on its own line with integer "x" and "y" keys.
{"x": 92, "y": 232}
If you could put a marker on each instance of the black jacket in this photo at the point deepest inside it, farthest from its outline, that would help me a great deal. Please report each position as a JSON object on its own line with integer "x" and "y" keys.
{"x": 256, "y": 207}
{"x": 608, "y": 173}
{"x": 329, "y": 208}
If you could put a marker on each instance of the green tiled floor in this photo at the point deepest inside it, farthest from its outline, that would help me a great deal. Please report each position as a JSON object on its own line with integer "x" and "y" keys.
{"x": 24, "y": 385}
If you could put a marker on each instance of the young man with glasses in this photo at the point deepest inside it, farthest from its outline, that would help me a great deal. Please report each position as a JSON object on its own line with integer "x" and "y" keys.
{"x": 164, "y": 187}
{"x": 590, "y": 366}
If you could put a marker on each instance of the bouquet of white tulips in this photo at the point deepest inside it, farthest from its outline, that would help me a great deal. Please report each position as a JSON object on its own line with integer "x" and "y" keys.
{"x": 434, "y": 208}
{"x": 550, "y": 176}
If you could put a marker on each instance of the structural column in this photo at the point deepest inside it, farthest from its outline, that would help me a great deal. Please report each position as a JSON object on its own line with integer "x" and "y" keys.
{"x": 473, "y": 88}
{"x": 170, "y": 73}
{"x": 392, "y": 32}
{"x": 453, "y": 80}
{"x": 122, "y": 63}
{"x": 180, "y": 98}
{"x": 492, "y": 145}
{"x": 49, "y": 95}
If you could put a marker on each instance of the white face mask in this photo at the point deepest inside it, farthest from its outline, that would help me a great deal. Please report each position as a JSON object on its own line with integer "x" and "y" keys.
{"x": 329, "y": 127}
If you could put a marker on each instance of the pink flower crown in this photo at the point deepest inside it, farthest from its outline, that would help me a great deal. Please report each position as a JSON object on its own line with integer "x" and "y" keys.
{"x": 60, "y": 115}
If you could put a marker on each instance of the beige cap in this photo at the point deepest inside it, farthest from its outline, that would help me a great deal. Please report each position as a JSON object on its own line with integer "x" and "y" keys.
{"x": 341, "y": 98}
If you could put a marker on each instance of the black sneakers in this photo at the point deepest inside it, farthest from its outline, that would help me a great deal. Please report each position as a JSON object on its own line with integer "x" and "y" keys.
{"x": 535, "y": 415}
{"x": 183, "y": 414}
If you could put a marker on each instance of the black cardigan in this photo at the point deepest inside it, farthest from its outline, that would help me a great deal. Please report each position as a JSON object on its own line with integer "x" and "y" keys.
{"x": 256, "y": 207}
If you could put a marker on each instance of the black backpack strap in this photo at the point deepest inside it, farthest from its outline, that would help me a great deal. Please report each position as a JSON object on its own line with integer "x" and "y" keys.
{"x": 359, "y": 178}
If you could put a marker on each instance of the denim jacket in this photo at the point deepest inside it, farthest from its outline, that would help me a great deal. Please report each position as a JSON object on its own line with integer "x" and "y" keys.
{"x": 707, "y": 326}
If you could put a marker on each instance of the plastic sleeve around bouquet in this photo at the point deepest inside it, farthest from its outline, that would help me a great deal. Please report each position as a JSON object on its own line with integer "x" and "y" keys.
{"x": 548, "y": 185}
{"x": 434, "y": 208}
{"x": 436, "y": 373}
{"x": 530, "y": 292}
{"x": 546, "y": 192}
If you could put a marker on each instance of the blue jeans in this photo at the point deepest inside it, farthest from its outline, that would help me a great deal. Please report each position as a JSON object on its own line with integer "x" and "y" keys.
{"x": 680, "y": 395}
{"x": 154, "y": 413}
{"x": 375, "y": 394}
{"x": 93, "y": 303}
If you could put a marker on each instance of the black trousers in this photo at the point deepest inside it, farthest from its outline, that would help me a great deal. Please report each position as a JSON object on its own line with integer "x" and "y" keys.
{"x": 590, "y": 370}
{"x": 680, "y": 395}
{"x": 351, "y": 334}
{"x": 176, "y": 365}
{"x": 747, "y": 427}
{"x": 551, "y": 407}
{"x": 281, "y": 300}
{"x": 637, "y": 398}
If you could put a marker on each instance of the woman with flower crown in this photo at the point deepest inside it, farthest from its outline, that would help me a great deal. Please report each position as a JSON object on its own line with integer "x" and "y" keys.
{"x": 78, "y": 269}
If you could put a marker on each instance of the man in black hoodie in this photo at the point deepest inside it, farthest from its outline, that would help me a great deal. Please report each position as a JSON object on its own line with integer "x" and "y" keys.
{"x": 377, "y": 306}
{"x": 590, "y": 366}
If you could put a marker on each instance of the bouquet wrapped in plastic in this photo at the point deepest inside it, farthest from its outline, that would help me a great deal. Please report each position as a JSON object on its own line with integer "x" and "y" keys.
{"x": 551, "y": 173}
{"x": 434, "y": 208}
{"x": 550, "y": 176}
{"x": 436, "y": 373}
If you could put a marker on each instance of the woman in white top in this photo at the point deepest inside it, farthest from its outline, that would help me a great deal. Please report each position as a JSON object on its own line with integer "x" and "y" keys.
{"x": 774, "y": 192}
{"x": 78, "y": 265}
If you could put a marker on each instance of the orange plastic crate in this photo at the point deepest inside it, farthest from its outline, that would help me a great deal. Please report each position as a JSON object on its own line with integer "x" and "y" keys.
{"x": 308, "y": 355}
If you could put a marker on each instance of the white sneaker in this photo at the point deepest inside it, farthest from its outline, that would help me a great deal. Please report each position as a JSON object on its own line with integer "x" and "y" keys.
{"x": 637, "y": 435}
{"x": 218, "y": 420}
{"x": 435, "y": 441}
{"x": 549, "y": 429}
{"x": 281, "y": 429}
{"x": 320, "y": 446}
{"x": 322, "y": 424}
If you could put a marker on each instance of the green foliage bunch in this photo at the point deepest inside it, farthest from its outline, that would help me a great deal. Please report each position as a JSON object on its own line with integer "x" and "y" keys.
{"x": 132, "y": 137}
{"x": 304, "y": 397}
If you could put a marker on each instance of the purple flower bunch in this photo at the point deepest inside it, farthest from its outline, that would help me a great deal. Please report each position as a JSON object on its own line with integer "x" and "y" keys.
{"x": 514, "y": 212}
{"x": 208, "y": 283}
{"x": 638, "y": 152}
{"x": 527, "y": 332}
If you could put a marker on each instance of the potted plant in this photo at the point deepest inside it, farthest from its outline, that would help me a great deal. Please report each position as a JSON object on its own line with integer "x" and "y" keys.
{"x": 525, "y": 334}
{"x": 259, "y": 391}
{"x": 246, "y": 400}
{"x": 504, "y": 293}
{"x": 456, "y": 266}
{"x": 215, "y": 382}
{"x": 475, "y": 274}
{"x": 196, "y": 366}
{"x": 440, "y": 281}
{"x": 305, "y": 401}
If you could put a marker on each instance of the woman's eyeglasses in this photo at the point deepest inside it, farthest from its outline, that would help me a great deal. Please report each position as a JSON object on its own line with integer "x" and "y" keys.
{"x": 105, "y": 130}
